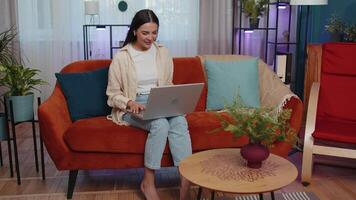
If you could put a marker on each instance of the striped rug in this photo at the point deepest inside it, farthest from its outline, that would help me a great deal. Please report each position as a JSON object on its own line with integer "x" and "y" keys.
{"x": 278, "y": 196}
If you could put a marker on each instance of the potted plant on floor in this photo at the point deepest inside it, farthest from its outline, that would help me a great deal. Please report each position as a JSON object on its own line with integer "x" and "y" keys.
{"x": 254, "y": 9}
{"x": 20, "y": 82}
{"x": 263, "y": 126}
{"x": 6, "y": 57}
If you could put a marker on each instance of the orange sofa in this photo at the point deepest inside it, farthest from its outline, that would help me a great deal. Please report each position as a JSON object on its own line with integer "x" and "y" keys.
{"x": 81, "y": 145}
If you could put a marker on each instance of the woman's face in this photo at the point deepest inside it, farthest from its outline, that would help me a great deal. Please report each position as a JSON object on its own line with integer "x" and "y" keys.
{"x": 146, "y": 34}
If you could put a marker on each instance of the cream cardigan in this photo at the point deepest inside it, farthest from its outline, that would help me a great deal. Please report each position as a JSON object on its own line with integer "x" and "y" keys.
{"x": 122, "y": 81}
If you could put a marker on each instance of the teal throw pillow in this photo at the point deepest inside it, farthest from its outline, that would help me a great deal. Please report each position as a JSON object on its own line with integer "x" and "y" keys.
{"x": 85, "y": 93}
{"x": 226, "y": 79}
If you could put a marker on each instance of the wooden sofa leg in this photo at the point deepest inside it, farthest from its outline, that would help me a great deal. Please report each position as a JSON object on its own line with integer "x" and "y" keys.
{"x": 71, "y": 183}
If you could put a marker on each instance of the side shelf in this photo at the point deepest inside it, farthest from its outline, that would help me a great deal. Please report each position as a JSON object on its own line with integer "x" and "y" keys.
{"x": 269, "y": 32}
{"x": 118, "y": 31}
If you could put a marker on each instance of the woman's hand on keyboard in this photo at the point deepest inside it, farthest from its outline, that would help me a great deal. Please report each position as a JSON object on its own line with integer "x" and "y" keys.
{"x": 135, "y": 107}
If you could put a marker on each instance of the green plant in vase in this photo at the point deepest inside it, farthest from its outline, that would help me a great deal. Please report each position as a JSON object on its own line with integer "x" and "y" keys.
{"x": 263, "y": 126}
{"x": 6, "y": 57}
{"x": 350, "y": 33}
{"x": 336, "y": 27}
{"x": 254, "y": 9}
{"x": 20, "y": 82}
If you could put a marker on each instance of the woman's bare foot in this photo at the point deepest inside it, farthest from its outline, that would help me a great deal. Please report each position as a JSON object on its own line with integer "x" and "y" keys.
{"x": 147, "y": 186}
{"x": 184, "y": 192}
{"x": 149, "y": 191}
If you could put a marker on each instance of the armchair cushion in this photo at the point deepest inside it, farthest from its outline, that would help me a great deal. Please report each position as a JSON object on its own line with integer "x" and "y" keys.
{"x": 85, "y": 93}
{"x": 337, "y": 97}
{"x": 226, "y": 79}
{"x": 338, "y": 82}
{"x": 339, "y": 58}
{"x": 336, "y": 130}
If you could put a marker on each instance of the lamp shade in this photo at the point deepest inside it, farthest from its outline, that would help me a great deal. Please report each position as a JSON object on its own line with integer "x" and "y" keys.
{"x": 308, "y": 2}
{"x": 91, "y": 7}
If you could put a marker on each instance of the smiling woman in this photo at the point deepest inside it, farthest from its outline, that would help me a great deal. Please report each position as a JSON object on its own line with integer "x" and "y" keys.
{"x": 146, "y": 35}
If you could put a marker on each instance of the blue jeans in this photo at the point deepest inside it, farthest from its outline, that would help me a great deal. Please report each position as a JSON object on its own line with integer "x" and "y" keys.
{"x": 175, "y": 129}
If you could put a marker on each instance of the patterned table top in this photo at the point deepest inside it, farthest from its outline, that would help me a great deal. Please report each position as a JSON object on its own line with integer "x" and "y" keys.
{"x": 225, "y": 170}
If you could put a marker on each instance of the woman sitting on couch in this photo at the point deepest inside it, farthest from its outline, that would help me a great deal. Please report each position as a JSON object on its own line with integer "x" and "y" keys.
{"x": 137, "y": 67}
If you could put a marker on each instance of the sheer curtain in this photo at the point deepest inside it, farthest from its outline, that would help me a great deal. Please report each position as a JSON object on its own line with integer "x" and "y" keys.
{"x": 215, "y": 34}
{"x": 51, "y": 31}
{"x": 179, "y": 25}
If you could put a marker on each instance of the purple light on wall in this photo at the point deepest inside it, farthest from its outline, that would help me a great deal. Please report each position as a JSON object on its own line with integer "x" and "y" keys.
{"x": 252, "y": 43}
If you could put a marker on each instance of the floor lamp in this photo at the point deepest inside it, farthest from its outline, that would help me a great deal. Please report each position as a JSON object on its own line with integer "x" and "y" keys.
{"x": 91, "y": 8}
{"x": 307, "y": 3}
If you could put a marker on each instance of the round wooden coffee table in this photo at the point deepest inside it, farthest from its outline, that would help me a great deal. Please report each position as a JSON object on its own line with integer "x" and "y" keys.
{"x": 224, "y": 170}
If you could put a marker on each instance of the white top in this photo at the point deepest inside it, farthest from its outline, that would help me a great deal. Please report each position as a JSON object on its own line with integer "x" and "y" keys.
{"x": 145, "y": 63}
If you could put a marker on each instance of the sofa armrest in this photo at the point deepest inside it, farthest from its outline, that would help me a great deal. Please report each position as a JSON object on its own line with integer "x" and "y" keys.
{"x": 296, "y": 105}
{"x": 54, "y": 120}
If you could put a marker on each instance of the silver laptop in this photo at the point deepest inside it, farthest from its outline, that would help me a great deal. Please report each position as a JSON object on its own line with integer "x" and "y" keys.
{"x": 172, "y": 100}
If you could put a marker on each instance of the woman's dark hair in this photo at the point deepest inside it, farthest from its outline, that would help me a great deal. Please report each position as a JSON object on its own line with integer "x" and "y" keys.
{"x": 141, "y": 17}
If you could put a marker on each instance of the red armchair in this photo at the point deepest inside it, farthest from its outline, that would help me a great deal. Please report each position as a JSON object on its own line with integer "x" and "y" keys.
{"x": 331, "y": 114}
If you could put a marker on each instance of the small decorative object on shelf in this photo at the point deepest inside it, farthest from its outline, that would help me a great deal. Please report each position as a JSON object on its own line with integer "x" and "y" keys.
{"x": 253, "y": 9}
{"x": 263, "y": 126}
{"x": 286, "y": 36}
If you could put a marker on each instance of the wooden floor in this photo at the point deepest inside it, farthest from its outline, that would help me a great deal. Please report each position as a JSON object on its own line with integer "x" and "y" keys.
{"x": 329, "y": 182}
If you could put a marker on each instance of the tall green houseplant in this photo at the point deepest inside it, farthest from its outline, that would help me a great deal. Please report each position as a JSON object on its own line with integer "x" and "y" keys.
{"x": 6, "y": 57}
{"x": 19, "y": 80}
